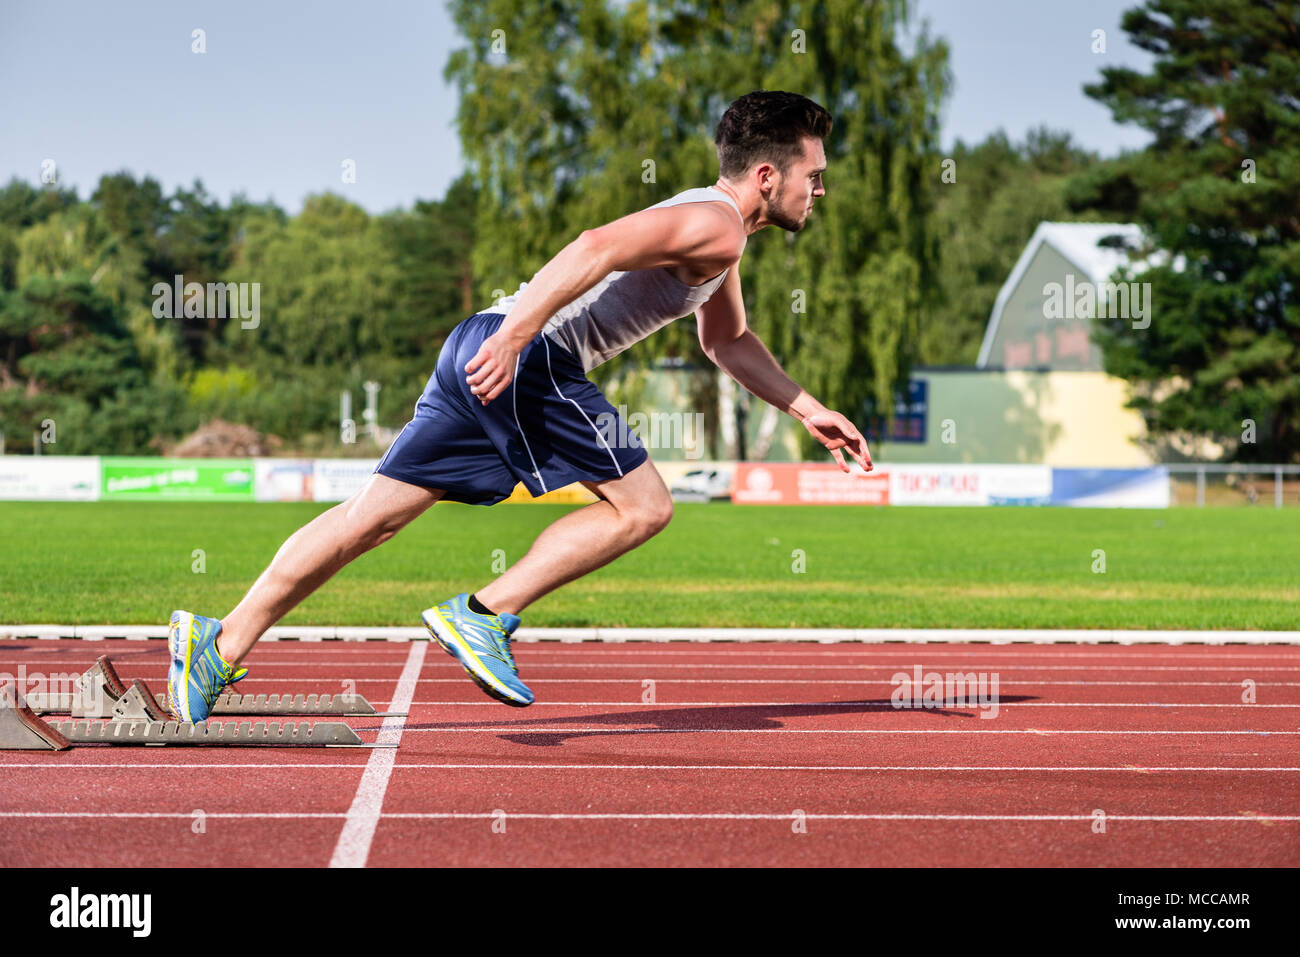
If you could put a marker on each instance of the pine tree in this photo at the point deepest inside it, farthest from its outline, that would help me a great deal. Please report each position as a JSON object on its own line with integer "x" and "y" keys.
{"x": 1219, "y": 194}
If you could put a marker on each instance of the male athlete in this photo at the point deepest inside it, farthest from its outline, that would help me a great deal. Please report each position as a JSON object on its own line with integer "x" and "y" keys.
{"x": 510, "y": 402}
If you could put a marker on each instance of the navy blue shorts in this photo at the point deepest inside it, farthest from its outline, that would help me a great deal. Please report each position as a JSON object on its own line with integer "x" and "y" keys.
{"x": 549, "y": 428}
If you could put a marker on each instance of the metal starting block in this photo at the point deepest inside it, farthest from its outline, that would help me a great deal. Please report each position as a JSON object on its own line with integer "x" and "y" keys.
{"x": 273, "y": 734}
{"x": 337, "y": 704}
{"x": 98, "y": 690}
{"x": 136, "y": 716}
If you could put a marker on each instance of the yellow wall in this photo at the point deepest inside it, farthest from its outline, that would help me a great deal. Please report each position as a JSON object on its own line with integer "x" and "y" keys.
{"x": 1066, "y": 419}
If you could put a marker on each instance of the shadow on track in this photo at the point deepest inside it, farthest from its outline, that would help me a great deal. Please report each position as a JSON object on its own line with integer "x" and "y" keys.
{"x": 669, "y": 720}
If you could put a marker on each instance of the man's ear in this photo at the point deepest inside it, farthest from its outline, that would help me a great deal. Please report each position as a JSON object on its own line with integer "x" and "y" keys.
{"x": 769, "y": 174}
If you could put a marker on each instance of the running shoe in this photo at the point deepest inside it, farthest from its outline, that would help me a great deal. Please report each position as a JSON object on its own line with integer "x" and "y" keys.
{"x": 481, "y": 643}
{"x": 198, "y": 673}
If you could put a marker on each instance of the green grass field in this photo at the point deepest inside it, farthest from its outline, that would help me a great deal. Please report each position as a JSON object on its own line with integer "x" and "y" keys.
{"x": 715, "y": 565}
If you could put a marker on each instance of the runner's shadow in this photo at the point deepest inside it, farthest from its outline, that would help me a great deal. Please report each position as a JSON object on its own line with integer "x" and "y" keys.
{"x": 737, "y": 717}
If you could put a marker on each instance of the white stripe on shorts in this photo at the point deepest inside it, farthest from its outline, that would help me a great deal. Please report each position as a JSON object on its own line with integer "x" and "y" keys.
{"x": 514, "y": 408}
{"x": 579, "y": 408}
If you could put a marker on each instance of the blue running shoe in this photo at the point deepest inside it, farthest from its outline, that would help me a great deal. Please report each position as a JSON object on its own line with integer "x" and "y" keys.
{"x": 198, "y": 672}
{"x": 481, "y": 643}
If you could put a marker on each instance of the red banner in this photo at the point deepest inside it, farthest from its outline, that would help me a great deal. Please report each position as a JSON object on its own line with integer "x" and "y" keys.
{"x": 800, "y": 483}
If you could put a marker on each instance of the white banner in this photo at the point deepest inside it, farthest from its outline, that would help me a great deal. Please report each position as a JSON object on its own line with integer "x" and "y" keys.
{"x": 970, "y": 484}
{"x": 283, "y": 480}
{"x": 1111, "y": 488}
{"x": 73, "y": 478}
{"x": 334, "y": 480}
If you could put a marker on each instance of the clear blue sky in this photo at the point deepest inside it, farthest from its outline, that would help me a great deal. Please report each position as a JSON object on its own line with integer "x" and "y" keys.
{"x": 287, "y": 91}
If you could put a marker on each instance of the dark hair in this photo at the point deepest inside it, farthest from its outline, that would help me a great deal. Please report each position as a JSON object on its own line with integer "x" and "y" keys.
{"x": 767, "y": 125}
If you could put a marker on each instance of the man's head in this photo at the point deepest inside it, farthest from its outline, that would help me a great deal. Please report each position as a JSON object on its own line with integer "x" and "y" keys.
{"x": 775, "y": 139}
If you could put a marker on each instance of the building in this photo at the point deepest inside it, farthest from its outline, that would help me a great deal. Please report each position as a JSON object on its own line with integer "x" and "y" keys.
{"x": 1037, "y": 392}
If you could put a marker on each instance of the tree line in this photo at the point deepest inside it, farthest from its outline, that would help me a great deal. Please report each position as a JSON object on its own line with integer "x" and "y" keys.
{"x": 574, "y": 113}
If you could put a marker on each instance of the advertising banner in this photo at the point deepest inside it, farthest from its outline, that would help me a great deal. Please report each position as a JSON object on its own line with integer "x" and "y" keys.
{"x": 804, "y": 483}
{"x": 282, "y": 480}
{"x": 574, "y": 494}
{"x": 1111, "y": 488}
{"x": 970, "y": 485}
{"x": 152, "y": 479}
{"x": 72, "y": 478}
{"x": 335, "y": 480}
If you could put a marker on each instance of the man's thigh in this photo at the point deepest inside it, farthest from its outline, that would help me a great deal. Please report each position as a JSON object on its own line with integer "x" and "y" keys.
{"x": 640, "y": 490}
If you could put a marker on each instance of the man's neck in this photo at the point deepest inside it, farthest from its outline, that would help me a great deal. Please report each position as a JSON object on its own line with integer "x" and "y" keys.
{"x": 749, "y": 203}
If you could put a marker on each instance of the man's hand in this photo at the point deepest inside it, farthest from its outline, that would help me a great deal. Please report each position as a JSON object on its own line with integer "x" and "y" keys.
{"x": 495, "y": 363}
{"x": 836, "y": 432}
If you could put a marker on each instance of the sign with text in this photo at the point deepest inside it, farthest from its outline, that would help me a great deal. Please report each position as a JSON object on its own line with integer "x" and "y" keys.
{"x": 336, "y": 480}
{"x": 150, "y": 479}
{"x": 970, "y": 484}
{"x": 283, "y": 480}
{"x": 49, "y": 477}
{"x": 807, "y": 483}
{"x": 909, "y": 416}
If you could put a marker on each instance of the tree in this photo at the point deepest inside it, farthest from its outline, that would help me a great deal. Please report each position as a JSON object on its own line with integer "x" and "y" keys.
{"x": 1217, "y": 192}
{"x": 988, "y": 208}
{"x": 64, "y": 356}
{"x": 576, "y": 113}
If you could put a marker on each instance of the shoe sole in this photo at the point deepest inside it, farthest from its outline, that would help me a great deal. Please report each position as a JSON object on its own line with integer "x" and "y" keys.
{"x": 179, "y": 697}
{"x": 450, "y": 642}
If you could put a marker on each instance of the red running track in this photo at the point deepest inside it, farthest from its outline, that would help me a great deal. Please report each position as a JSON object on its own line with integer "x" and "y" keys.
{"x": 704, "y": 755}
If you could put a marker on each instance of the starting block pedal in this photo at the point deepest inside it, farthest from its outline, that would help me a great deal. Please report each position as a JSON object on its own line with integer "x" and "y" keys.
{"x": 136, "y": 716}
{"x": 93, "y": 696}
{"x": 21, "y": 730}
{"x": 98, "y": 691}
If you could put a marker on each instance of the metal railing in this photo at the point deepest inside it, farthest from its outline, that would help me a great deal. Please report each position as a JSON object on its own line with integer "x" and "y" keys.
{"x": 1239, "y": 483}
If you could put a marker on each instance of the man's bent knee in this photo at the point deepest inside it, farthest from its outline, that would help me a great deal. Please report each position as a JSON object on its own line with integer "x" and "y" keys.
{"x": 650, "y": 518}
{"x": 376, "y": 514}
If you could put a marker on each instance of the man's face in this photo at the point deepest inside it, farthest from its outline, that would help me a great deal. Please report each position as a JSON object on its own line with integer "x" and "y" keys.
{"x": 792, "y": 200}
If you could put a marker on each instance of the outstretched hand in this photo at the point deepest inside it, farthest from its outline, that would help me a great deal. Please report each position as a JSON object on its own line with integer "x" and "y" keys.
{"x": 836, "y": 432}
{"x": 495, "y": 361}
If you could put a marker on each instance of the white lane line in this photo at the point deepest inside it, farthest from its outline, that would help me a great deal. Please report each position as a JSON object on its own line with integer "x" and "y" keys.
{"x": 644, "y": 671}
{"x": 645, "y": 816}
{"x": 989, "y": 666}
{"x": 1030, "y": 683}
{"x": 128, "y": 673}
{"x": 313, "y": 654}
{"x": 1131, "y": 768}
{"x": 363, "y": 817}
{"x": 1042, "y": 731}
{"x": 856, "y": 636}
{"x": 864, "y": 705}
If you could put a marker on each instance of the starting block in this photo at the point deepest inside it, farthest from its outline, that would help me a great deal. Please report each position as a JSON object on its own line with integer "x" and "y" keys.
{"x": 99, "y": 689}
{"x": 138, "y": 717}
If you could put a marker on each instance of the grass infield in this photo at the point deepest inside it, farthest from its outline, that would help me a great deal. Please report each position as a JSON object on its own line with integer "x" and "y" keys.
{"x": 714, "y": 566}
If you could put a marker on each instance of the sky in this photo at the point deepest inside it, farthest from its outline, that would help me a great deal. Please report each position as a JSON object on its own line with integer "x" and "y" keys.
{"x": 286, "y": 93}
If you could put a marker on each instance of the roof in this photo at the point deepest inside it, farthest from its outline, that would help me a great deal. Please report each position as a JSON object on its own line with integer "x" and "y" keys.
{"x": 1077, "y": 242}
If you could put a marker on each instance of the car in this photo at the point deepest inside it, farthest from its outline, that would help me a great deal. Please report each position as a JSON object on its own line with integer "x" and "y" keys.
{"x": 702, "y": 485}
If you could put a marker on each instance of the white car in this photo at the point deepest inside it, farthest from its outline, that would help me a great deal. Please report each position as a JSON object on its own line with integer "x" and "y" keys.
{"x": 702, "y": 485}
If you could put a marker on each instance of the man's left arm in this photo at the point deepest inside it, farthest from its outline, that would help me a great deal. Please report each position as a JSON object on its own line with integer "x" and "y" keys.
{"x": 733, "y": 348}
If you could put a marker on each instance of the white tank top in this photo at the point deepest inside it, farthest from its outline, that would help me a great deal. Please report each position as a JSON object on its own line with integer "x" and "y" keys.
{"x": 625, "y": 307}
